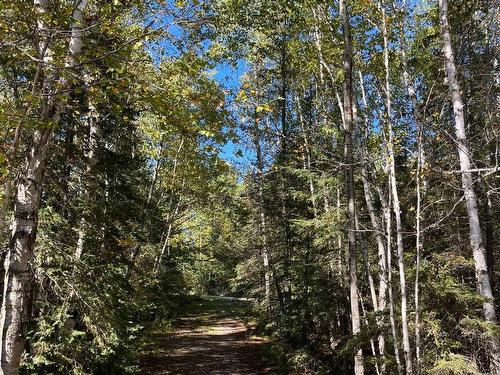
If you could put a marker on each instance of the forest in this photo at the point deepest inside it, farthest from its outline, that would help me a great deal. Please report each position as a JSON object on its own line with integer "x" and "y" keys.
{"x": 304, "y": 186}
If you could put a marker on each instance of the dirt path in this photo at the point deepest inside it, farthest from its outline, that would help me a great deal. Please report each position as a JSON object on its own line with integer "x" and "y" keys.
{"x": 209, "y": 339}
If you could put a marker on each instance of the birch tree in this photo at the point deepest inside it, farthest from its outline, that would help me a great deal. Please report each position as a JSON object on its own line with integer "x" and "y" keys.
{"x": 465, "y": 156}
{"x": 349, "y": 160}
{"x": 395, "y": 197}
{"x": 17, "y": 281}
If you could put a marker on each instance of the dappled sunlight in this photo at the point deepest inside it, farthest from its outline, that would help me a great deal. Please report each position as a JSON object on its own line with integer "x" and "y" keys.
{"x": 246, "y": 187}
{"x": 207, "y": 344}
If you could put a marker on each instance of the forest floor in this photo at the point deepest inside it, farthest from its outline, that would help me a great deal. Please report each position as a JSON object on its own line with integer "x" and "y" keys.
{"x": 211, "y": 337}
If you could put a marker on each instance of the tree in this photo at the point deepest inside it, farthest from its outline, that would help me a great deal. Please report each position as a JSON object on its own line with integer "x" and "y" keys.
{"x": 475, "y": 235}
{"x": 349, "y": 160}
{"x": 17, "y": 282}
{"x": 154, "y": 150}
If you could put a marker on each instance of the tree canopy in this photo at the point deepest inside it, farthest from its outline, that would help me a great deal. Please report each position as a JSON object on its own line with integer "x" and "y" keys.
{"x": 337, "y": 162}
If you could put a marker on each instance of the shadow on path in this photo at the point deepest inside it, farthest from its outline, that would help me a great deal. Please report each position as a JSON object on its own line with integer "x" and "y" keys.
{"x": 210, "y": 339}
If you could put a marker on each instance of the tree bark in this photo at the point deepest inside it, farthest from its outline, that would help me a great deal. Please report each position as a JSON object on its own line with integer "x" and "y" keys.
{"x": 348, "y": 155}
{"x": 464, "y": 154}
{"x": 378, "y": 231}
{"x": 365, "y": 320}
{"x": 373, "y": 293}
{"x": 420, "y": 186}
{"x": 93, "y": 145}
{"x": 382, "y": 262}
{"x": 18, "y": 280}
{"x": 262, "y": 218}
{"x": 307, "y": 156}
{"x": 156, "y": 171}
{"x": 170, "y": 216}
{"x": 395, "y": 197}
{"x": 386, "y": 207}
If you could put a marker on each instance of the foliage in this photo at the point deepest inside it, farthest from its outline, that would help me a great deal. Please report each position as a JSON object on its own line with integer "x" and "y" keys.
{"x": 141, "y": 206}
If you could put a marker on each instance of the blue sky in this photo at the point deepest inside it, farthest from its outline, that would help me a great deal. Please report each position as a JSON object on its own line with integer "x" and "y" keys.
{"x": 228, "y": 76}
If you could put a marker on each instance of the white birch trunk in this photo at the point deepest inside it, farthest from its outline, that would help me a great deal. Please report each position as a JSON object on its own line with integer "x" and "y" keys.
{"x": 420, "y": 187}
{"x": 17, "y": 282}
{"x": 464, "y": 154}
{"x": 348, "y": 154}
{"x": 308, "y": 159}
{"x": 379, "y": 236}
{"x": 386, "y": 206}
{"x": 262, "y": 226}
{"x": 171, "y": 217}
{"x": 396, "y": 204}
{"x": 93, "y": 145}
{"x": 155, "y": 173}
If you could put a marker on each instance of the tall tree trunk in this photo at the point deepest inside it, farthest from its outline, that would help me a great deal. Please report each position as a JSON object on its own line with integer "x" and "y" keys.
{"x": 490, "y": 245}
{"x": 307, "y": 156}
{"x": 92, "y": 158}
{"x": 348, "y": 155}
{"x": 94, "y": 136}
{"x": 464, "y": 153}
{"x": 395, "y": 197}
{"x": 166, "y": 244}
{"x": 17, "y": 282}
{"x": 262, "y": 217}
{"x": 418, "y": 246}
{"x": 6, "y": 202}
{"x": 371, "y": 284}
{"x": 171, "y": 216}
{"x": 365, "y": 320}
{"x": 420, "y": 184}
{"x": 379, "y": 238}
{"x": 386, "y": 207}
{"x": 284, "y": 152}
{"x": 156, "y": 170}
{"x": 378, "y": 231}
{"x": 321, "y": 91}
{"x": 420, "y": 187}
{"x": 307, "y": 166}
{"x": 364, "y": 251}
